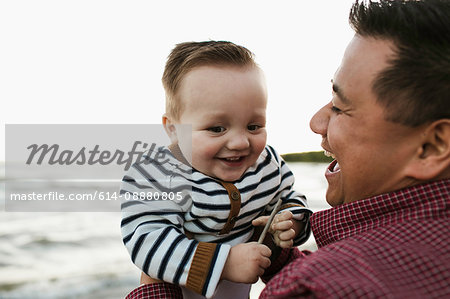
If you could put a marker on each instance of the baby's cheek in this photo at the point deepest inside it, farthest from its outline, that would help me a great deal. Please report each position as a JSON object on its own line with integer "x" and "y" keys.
{"x": 260, "y": 145}
{"x": 202, "y": 153}
{"x": 208, "y": 151}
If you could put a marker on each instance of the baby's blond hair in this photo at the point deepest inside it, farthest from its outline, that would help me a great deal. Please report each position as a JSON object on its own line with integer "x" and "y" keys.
{"x": 186, "y": 56}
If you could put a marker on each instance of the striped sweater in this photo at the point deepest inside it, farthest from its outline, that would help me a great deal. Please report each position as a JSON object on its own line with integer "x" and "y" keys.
{"x": 176, "y": 221}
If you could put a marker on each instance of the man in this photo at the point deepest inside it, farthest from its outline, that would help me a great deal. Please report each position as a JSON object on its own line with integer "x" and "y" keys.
{"x": 388, "y": 128}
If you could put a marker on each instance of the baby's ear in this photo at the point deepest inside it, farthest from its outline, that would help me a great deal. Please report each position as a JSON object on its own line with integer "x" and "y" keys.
{"x": 170, "y": 128}
{"x": 433, "y": 157}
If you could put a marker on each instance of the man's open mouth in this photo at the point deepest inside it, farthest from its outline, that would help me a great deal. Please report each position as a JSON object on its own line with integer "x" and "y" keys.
{"x": 334, "y": 165}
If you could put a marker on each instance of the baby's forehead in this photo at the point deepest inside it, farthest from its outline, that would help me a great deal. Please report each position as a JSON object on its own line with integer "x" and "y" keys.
{"x": 215, "y": 74}
{"x": 221, "y": 84}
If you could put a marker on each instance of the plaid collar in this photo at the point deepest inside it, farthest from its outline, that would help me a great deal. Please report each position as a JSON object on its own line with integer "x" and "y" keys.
{"x": 413, "y": 203}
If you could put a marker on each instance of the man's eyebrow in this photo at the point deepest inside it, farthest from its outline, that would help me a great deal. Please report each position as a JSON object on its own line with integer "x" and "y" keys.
{"x": 337, "y": 90}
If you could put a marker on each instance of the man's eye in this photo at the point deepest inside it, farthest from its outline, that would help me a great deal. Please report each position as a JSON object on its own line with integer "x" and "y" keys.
{"x": 336, "y": 109}
{"x": 253, "y": 127}
{"x": 216, "y": 129}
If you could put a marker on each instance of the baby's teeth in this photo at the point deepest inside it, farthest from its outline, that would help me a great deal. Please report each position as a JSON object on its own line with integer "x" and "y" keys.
{"x": 232, "y": 159}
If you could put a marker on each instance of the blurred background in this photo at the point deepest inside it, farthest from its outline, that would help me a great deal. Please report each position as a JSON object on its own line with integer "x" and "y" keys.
{"x": 95, "y": 62}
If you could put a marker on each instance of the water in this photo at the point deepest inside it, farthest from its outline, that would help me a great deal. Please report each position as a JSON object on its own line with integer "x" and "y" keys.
{"x": 80, "y": 255}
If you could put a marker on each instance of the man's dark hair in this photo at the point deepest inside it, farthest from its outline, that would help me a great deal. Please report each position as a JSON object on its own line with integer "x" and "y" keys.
{"x": 415, "y": 87}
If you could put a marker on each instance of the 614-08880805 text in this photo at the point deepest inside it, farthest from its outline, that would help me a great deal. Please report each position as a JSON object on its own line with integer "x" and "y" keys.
{"x": 96, "y": 195}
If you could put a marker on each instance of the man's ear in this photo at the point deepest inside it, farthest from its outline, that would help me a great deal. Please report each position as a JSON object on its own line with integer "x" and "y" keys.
{"x": 170, "y": 128}
{"x": 433, "y": 156}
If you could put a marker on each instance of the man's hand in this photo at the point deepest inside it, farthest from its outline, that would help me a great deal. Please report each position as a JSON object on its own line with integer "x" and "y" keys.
{"x": 283, "y": 228}
{"x": 246, "y": 262}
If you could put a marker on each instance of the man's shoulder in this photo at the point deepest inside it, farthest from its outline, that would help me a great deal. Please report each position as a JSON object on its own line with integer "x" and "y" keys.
{"x": 375, "y": 263}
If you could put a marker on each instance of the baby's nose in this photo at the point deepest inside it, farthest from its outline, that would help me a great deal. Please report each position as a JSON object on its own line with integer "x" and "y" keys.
{"x": 238, "y": 142}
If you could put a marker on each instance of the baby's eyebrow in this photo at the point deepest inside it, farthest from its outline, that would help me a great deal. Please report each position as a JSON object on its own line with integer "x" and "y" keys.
{"x": 337, "y": 90}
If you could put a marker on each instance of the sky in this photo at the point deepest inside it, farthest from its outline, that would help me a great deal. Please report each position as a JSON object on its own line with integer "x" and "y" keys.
{"x": 101, "y": 62}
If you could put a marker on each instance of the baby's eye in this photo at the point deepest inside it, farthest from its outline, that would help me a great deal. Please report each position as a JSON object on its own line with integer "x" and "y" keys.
{"x": 217, "y": 129}
{"x": 253, "y": 127}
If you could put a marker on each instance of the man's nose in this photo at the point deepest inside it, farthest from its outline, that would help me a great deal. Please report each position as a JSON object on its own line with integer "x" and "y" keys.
{"x": 319, "y": 122}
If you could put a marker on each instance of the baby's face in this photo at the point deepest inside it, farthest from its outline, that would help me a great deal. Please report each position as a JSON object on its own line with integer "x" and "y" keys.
{"x": 226, "y": 107}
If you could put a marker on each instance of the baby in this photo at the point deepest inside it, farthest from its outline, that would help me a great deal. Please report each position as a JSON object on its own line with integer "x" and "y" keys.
{"x": 202, "y": 240}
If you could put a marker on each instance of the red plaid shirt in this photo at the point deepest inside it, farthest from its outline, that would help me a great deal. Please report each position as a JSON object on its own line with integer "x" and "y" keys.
{"x": 395, "y": 245}
{"x": 156, "y": 290}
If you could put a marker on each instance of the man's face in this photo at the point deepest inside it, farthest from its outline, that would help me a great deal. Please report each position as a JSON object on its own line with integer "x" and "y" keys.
{"x": 370, "y": 153}
{"x": 226, "y": 107}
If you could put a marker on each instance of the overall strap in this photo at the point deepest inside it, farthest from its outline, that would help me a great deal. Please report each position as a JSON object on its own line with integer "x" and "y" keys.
{"x": 235, "y": 201}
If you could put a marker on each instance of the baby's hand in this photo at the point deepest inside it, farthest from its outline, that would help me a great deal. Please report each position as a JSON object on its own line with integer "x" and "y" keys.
{"x": 246, "y": 262}
{"x": 283, "y": 228}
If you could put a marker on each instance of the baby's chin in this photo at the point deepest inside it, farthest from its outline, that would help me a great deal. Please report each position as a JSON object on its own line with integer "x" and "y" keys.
{"x": 229, "y": 176}
{"x": 222, "y": 173}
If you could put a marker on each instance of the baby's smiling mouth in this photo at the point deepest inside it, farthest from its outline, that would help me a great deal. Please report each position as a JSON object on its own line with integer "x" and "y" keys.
{"x": 233, "y": 159}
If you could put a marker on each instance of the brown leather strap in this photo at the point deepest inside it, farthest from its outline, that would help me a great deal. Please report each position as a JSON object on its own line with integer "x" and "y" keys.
{"x": 235, "y": 201}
